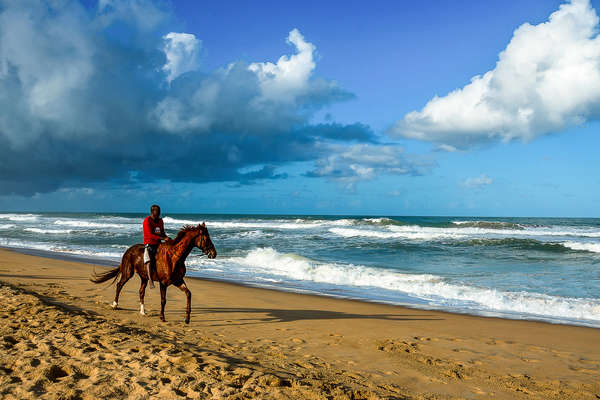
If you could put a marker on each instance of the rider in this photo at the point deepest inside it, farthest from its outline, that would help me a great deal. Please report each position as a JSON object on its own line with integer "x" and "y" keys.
{"x": 154, "y": 231}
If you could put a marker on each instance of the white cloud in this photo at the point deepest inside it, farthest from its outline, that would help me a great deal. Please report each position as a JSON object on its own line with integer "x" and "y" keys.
{"x": 183, "y": 54}
{"x": 478, "y": 182}
{"x": 446, "y": 147}
{"x": 250, "y": 97}
{"x": 287, "y": 78}
{"x": 546, "y": 80}
{"x": 362, "y": 162}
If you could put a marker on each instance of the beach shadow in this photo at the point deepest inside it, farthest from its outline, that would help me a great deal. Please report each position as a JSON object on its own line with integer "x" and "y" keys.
{"x": 43, "y": 277}
{"x": 283, "y": 315}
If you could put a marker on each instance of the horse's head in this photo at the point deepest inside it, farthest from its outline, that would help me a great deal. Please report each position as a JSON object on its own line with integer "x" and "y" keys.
{"x": 204, "y": 243}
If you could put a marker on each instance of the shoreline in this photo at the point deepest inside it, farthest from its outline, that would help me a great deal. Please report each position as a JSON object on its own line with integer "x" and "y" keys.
{"x": 250, "y": 342}
{"x": 63, "y": 256}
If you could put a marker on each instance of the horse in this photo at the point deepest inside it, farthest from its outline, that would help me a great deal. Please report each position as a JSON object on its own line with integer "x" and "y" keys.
{"x": 170, "y": 266}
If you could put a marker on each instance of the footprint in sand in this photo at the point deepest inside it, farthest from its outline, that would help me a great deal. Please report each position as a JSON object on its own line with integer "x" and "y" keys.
{"x": 54, "y": 372}
{"x": 9, "y": 342}
{"x": 397, "y": 346}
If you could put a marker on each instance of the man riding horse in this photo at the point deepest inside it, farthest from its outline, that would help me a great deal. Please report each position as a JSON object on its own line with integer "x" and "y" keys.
{"x": 169, "y": 264}
{"x": 154, "y": 232}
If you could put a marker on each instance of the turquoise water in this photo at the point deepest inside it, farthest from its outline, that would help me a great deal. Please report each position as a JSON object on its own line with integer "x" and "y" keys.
{"x": 527, "y": 268}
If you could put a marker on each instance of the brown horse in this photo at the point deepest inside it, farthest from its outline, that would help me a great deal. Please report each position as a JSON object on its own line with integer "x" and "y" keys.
{"x": 170, "y": 266}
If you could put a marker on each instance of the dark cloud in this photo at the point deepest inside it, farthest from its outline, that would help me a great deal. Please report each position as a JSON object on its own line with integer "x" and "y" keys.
{"x": 104, "y": 94}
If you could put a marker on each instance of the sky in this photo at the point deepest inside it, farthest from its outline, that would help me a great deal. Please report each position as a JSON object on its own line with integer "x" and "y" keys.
{"x": 458, "y": 108}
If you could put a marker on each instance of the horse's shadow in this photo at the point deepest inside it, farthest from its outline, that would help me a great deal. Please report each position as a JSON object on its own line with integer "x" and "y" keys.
{"x": 270, "y": 315}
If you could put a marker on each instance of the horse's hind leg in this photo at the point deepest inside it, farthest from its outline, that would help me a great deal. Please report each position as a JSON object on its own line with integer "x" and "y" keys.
{"x": 142, "y": 293}
{"x": 163, "y": 301}
{"x": 125, "y": 276}
{"x": 188, "y": 295}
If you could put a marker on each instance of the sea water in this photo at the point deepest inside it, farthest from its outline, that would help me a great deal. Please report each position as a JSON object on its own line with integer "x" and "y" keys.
{"x": 524, "y": 268}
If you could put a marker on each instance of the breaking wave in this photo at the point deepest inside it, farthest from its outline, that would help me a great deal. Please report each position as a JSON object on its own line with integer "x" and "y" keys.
{"x": 431, "y": 233}
{"x": 19, "y": 217}
{"x": 50, "y": 231}
{"x": 411, "y": 235}
{"x": 436, "y": 291}
{"x": 87, "y": 224}
{"x": 591, "y": 247}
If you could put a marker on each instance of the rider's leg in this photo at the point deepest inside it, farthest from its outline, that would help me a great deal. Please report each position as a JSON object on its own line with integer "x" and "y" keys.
{"x": 149, "y": 274}
{"x": 147, "y": 265}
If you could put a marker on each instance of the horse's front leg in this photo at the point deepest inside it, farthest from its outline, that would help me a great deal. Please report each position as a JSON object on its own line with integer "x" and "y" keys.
{"x": 163, "y": 301}
{"x": 188, "y": 295}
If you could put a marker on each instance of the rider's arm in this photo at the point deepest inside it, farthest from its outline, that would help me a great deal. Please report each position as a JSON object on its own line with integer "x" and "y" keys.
{"x": 162, "y": 230}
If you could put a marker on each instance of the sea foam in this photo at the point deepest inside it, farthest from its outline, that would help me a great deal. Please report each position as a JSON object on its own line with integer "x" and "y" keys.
{"x": 417, "y": 232}
{"x": 49, "y": 231}
{"x": 411, "y": 234}
{"x": 88, "y": 224}
{"x": 435, "y": 290}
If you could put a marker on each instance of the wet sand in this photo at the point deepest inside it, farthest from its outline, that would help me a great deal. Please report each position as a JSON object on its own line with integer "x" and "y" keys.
{"x": 60, "y": 339}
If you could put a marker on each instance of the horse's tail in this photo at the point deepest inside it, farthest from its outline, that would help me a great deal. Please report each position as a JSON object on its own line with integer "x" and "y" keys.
{"x": 104, "y": 276}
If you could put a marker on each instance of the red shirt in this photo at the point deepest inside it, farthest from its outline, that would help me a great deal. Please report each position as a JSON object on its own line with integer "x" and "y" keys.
{"x": 153, "y": 230}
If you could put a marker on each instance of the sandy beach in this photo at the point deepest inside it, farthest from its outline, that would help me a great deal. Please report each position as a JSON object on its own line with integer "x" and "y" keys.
{"x": 60, "y": 339}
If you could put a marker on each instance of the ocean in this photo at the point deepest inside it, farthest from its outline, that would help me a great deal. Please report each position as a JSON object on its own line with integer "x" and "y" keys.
{"x": 544, "y": 269}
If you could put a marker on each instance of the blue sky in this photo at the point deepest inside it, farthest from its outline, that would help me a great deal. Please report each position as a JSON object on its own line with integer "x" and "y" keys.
{"x": 393, "y": 108}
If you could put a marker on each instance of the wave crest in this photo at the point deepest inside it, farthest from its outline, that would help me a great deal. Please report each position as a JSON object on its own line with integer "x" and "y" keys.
{"x": 489, "y": 225}
{"x": 88, "y": 224}
{"x": 434, "y": 290}
{"x": 381, "y": 221}
{"x": 50, "y": 231}
{"x": 590, "y": 247}
{"x": 19, "y": 217}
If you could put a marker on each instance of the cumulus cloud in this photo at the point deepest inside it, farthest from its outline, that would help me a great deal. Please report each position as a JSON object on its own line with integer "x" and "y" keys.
{"x": 259, "y": 98}
{"x": 288, "y": 78}
{"x": 478, "y": 182}
{"x": 183, "y": 54}
{"x": 546, "y": 80}
{"x": 83, "y": 102}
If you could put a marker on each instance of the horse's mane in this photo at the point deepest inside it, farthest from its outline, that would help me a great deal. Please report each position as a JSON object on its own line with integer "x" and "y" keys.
{"x": 184, "y": 230}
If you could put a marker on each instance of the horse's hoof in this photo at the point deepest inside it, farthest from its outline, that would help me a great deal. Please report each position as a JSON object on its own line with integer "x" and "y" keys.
{"x": 142, "y": 313}
{"x": 114, "y": 305}
{"x": 162, "y": 319}
{"x": 187, "y": 320}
